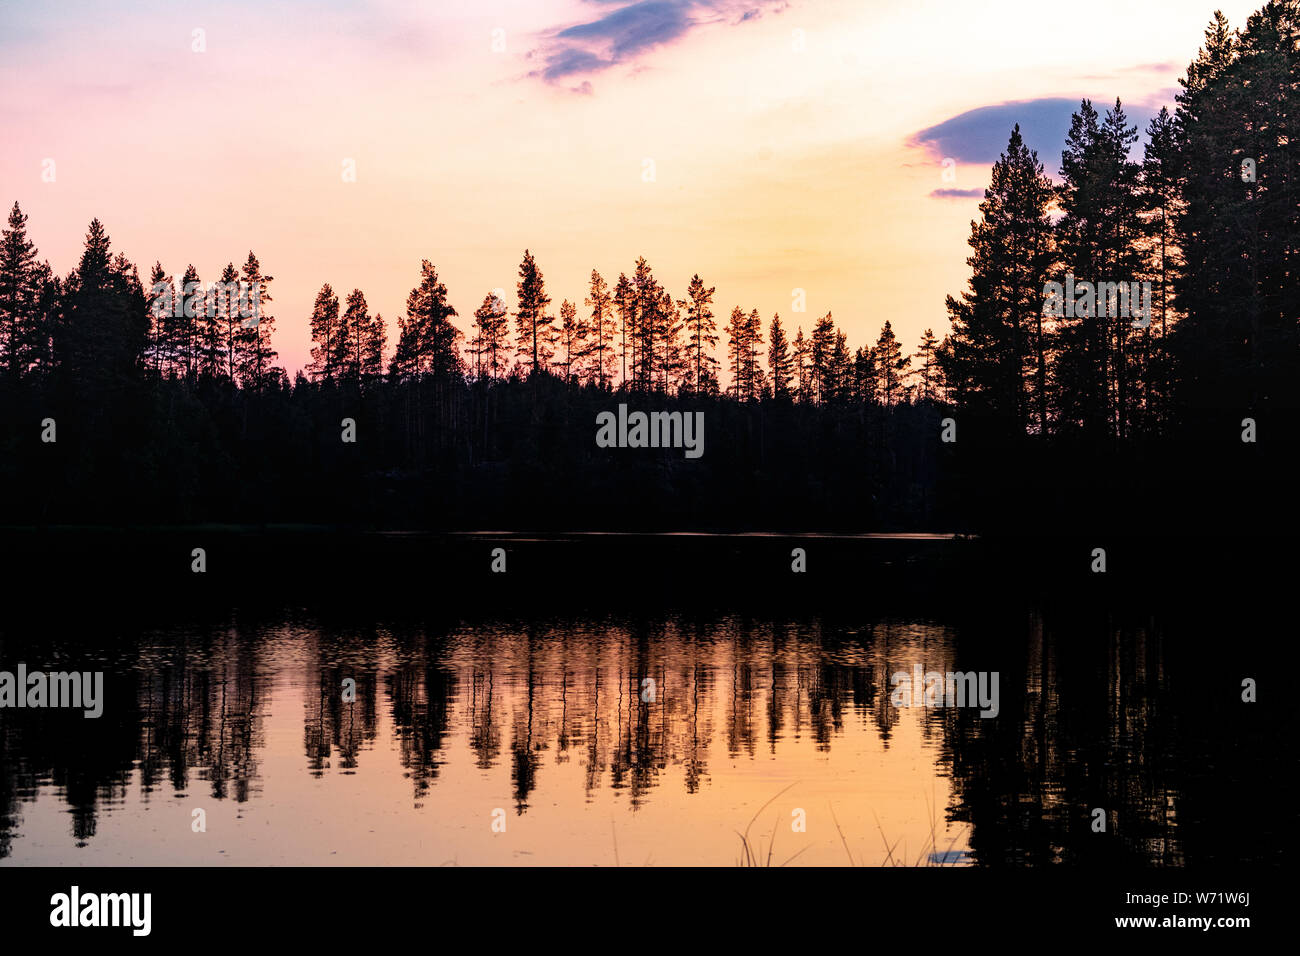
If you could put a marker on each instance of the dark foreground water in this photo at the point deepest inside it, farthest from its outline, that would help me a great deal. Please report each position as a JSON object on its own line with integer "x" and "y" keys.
{"x": 657, "y": 737}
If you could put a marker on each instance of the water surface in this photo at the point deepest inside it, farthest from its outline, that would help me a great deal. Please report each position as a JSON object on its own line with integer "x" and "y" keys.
{"x": 626, "y": 739}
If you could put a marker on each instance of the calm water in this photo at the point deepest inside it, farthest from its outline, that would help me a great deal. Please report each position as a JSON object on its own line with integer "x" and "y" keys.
{"x": 491, "y": 741}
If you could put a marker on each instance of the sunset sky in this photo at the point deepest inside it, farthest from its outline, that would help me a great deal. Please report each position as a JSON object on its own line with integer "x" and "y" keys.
{"x": 781, "y": 159}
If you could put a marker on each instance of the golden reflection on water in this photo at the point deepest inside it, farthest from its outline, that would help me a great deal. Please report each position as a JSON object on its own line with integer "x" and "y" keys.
{"x": 582, "y": 743}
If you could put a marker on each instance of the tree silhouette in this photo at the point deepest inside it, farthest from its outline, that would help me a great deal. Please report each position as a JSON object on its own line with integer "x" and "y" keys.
{"x": 490, "y": 335}
{"x": 325, "y": 334}
{"x": 779, "y": 363}
{"x": 534, "y": 334}
{"x": 601, "y": 332}
{"x": 996, "y": 360}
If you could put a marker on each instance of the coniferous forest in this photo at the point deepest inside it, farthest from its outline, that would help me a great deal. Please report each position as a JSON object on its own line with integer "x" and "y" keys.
{"x": 138, "y": 395}
{"x": 596, "y": 550}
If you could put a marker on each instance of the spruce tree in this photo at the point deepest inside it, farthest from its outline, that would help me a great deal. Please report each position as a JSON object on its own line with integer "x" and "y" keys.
{"x": 997, "y": 360}
{"x": 103, "y": 330}
{"x": 427, "y": 344}
{"x": 19, "y": 292}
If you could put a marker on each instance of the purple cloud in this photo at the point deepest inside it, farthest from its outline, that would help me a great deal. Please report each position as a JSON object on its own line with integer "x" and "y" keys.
{"x": 980, "y": 135}
{"x": 568, "y": 61}
{"x": 633, "y": 29}
{"x": 957, "y": 194}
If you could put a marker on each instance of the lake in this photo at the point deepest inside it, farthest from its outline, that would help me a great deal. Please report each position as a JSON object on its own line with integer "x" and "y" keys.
{"x": 643, "y": 737}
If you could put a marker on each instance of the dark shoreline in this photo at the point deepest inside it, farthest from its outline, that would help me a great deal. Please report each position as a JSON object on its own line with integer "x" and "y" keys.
{"x": 45, "y": 568}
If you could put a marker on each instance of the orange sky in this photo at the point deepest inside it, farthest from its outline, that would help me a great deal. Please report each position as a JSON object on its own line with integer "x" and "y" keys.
{"x": 782, "y": 160}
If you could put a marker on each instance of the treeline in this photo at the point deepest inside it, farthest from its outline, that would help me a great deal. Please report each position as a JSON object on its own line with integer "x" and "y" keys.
{"x": 1208, "y": 218}
{"x": 165, "y": 404}
{"x": 637, "y": 337}
{"x": 634, "y": 337}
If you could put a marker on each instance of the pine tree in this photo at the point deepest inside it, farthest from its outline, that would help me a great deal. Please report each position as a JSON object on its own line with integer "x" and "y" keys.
{"x": 490, "y": 334}
{"x": 754, "y": 377}
{"x": 737, "y": 352}
{"x": 325, "y": 334}
{"x": 211, "y": 360}
{"x": 353, "y": 332}
{"x": 573, "y": 339}
{"x": 1162, "y": 205}
{"x": 864, "y": 375}
{"x": 534, "y": 330}
{"x": 373, "y": 343}
{"x": 602, "y": 329}
{"x": 228, "y": 319}
{"x": 1098, "y": 239}
{"x": 801, "y": 357}
{"x": 254, "y": 354}
{"x": 1127, "y": 264}
{"x": 625, "y": 302}
{"x": 1235, "y": 346}
{"x": 819, "y": 356}
{"x": 185, "y": 329}
{"x": 161, "y": 303}
{"x": 891, "y": 366}
{"x": 702, "y": 335}
{"x": 403, "y": 366}
{"x": 840, "y": 369}
{"x": 674, "y": 370}
{"x": 927, "y": 367}
{"x": 779, "y": 363}
{"x": 646, "y": 326}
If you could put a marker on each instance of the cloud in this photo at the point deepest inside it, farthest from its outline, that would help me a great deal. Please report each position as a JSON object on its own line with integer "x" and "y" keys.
{"x": 570, "y": 61}
{"x": 980, "y": 135}
{"x": 625, "y": 34}
{"x": 1170, "y": 66}
{"x": 957, "y": 194}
